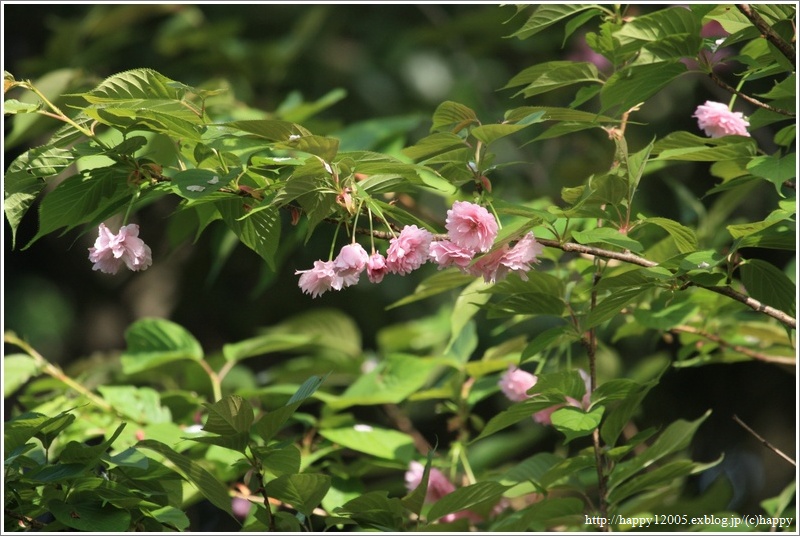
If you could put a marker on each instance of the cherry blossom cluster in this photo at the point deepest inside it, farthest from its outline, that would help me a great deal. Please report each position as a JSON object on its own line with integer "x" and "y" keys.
{"x": 515, "y": 384}
{"x": 717, "y": 120}
{"x": 111, "y": 250}
{"x": 471, "y": 233}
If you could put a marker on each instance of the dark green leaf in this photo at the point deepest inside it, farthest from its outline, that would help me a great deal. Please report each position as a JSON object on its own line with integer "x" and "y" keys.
{"x": 231, "y": 415}
{"x": 88, "y": 455}
{"x": 769, "y": 285}
{"x": 609, "y": 306}
{"x": 374, "y": 509}
{"x": 466, "y": 497}
{"x": 607, "y": 235}
{"x": 684, "y": 237}
{"x": 634, "y": 85}
{"x": 553, "y": 75}
{"x": 206, "y": 483}
{"x": 547, "y": 15}
{"x": 259, "y": 231}
{"x": 452, "y": 117}
{"x": 154, "y": 341}
{"x": 96, "y": 517}
{"x": 303, "y": 491}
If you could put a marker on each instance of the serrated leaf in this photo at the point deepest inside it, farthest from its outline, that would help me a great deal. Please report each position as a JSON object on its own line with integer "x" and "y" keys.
{"x": 259, "y": 231}
{"x": 490, "y": 133}
{"x": 380, "y": 442}
{"x": 75, "y": 452}
{"x": 516, "y": 413}
{"x": 17, "y": 370}
{"x": 280, "y": 461}
{"x": 685, "y": 146}
{"x": 270, "y": 423}
{"x": 769, "y": 285}
{"x": 99, "y": 516}
{"x": 553, "y": 75}
{"x": 303, "y": 491}
{"x": 609, "y": 306}
{"x": 133, "y": 84}
{"x": 13, "y": 106}
{"x": 684, "y": 237}
{"x": 211, "y": 488}
{"x": 80, "y": 198}
{"x": 547, "y": 15}
{"x": 153, "y": 342}
{"x": 271, "y": 129}
{"x": 668, "y": 33}
{"x": 466, "y": 497}
{"x": 231, "y": 415}
{"x": 391, "y": 382}
{"x": 575, "y": 422}
{"x": 265, "y": 344}
{"x": 432, "y": 145}
{"x": 452, "y": 116}
{"x": 607, "y": 235}
{"x": 634, "y": 85}
{"x": 374, "y": 509}
{"x": 22, "y": 181}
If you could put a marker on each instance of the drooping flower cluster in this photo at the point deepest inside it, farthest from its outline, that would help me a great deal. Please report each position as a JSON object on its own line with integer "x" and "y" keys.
{"x": 111, "y": 250}
{"x": 717, "y": 120}
{"x": 515, "y": 384}
{"x": 471, "y": 233}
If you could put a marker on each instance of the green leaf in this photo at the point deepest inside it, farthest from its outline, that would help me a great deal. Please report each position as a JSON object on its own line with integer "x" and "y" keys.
{"x": 658, "y": 477}
{"x": 271, "y": 129}
{"x": 391, "y": 382}
{"x": 259, "y": 231}
{"x": 303, "y": 491}
{"x": 47, "y": 431}
{"x": 432, "y": 145}
{"x": 611, "y": 305}
{"x": 197, "y": 183}
{"x": 547, "y": 15}
{"x": 452, "y": 117}
{"x": 332, "y": 331}
{"x": 466, "y": 497}
{"x": 280, "y": 461}
{"x": 266, "y": 344}
{"x": 549, "y": 338}
{"x": 543, "y": 515}
{"x": 774, "y": 168}
{"x": 231, "y": 415}
{"x": 415, "y": 499}
{"x": 270, "y": 423}
{"x": 208, "y": 485}
{"x": 435, "y": 284}
{"x": 684, "y": 237}
{"x": 490, "y": 133}
{"x": 142, "y": 404}
{"x": 133, "y": 84}
{"x": 634, "y": 85}
{"x": 379, "y": 442}
{"x": 325, "y": 148}
{"x": 374, "y": 509}
{"x": 23, "y": 180}
{"x": 75, "y": 452}
{"x": 170, "y": 516}
{"x": 100, "y": 517}
{"x": 574, "y": 422}
{"x": 669, "y": 33}
{"x": 607, "y": 235}
{"x": 769, "y": 285}
{"x": 517, "y": 412}
{"x": 80, "y": 198}
{"x": 664, "y": 318}
{"x": 553, "y": 75}
{"x": 17, "y": 370}
{"x": 677, "y": 436}
{"x": 13, "y": 106}
{"x": 685, "y": 146}
{"x": 153, "y": 342}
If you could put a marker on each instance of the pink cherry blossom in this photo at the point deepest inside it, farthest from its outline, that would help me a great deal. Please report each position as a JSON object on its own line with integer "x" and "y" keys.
{"x": 716, "y": 120}
{"x": 350, "y": 262}
{"x": 445, "y": 253}
{"x": 110, "y": 251}
{"x": 438, "y": 487}
{"x": 496, "y": 265}
{"x": 320, "y": 279}
{"x": 515, "y": 384}
{"x": 471, "y": 226}
{"x": 409, "y": 250}
{"x": 376, "y": 268}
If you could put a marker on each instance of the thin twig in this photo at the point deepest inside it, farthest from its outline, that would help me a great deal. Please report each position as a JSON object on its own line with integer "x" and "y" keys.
{"x": 764, "y": 441}
{"x": 766, "y": 30}
{"x": 782, "y": 360}
{"x": 717, "y": 80}
{"x": 29, "y": 521}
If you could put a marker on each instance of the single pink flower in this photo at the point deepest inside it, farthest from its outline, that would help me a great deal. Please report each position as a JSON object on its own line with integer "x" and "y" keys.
{"x": 445, "y": 253}
{"x": 716, "y": 120}
{"x": 515, "y": 384}
{"x": 110, "y": 251}
{"x": 376, "y": 268}
{"x": 409, "y": 250}
{"x": 320, "y": 279}
{"x": 471, "y": 226}
{"x": 350, "y": 262}
{"x": 496, "y": 265}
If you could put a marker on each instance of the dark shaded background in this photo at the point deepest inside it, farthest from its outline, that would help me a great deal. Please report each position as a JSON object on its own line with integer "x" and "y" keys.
{"x": 394, "y": 61}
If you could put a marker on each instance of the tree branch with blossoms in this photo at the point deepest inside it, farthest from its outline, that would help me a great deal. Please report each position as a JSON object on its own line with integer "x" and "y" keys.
{"x": 717, "y": 80}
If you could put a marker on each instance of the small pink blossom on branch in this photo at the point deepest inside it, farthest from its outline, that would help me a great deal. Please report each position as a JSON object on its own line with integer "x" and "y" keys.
{"x": 471, "y": 226}
{"x": 350, "y": 262}
{"x": 319, "y": 279}
{"x": 515, "y": 384}
{"x": 409, "y": 250}
{"x": 376, "y": 268}
{"x": 716, "y": 120}
{"x": 496, "y": 265}
{"x": 446, "y": 253}
{"x": 111, "y": 251}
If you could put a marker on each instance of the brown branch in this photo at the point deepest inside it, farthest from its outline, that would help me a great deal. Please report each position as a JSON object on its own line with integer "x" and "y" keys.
{"x": 29, "y": 521}
{"x": 764, "y": 441}
{"x": 766, "y": 30}
{"x": 782, "y": 360}
{"x": 717, "y": 80}
{"x": 630, "y": 258}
